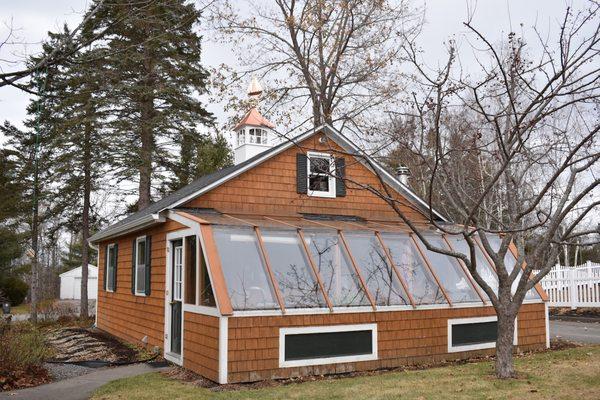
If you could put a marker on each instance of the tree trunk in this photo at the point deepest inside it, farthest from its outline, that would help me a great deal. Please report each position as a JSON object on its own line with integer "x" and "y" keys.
{"x": 34, "y": 260}
{"x": 146, "y": 130}
{"x": 504, "y": 346}
{"x": 85, "y": 218}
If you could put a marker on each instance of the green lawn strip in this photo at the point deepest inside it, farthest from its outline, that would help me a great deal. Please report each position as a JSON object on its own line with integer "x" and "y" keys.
{"x": 563, "y": 374}
{"x": 20, "y": 309}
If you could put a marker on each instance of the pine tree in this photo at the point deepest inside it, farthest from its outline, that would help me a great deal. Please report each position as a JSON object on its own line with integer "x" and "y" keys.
{"x": 154, "y": 81}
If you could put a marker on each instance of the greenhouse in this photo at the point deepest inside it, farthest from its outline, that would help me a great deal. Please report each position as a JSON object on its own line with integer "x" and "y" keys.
{"x": 320, "y": 262}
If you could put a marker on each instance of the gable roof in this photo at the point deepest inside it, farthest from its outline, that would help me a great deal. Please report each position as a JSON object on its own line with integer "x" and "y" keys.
{"x": 151, "y": 214}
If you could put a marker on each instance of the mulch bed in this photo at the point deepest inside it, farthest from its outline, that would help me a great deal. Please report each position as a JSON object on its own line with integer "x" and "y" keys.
{"x": 74, "y": 344}
{"x": 32, "y": 376}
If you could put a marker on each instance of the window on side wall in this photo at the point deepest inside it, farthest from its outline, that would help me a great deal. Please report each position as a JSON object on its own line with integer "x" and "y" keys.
{"x": 111, "y": 268}
{"x": 140, "y": 265}
{"x": 321, "y": 175}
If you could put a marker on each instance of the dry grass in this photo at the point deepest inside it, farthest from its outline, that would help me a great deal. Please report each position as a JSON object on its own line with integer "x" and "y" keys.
{"x": 564, "y": 374}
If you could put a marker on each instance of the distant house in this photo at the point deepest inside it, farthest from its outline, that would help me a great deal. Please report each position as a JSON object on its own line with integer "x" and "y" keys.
{"x": 286, "y": 264}
{"x": 70, "y": 283}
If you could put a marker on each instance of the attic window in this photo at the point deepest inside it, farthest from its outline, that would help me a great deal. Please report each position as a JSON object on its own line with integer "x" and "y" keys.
{"x": 258, "y": 136}
{"x": 321, "y": 175}
{"x": 241, "y": 137}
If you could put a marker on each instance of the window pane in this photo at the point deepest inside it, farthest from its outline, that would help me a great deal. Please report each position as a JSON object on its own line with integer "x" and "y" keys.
{"x": 292, "y": 270}
{"x": 510, "y": 262}
{"x": 190, "y": 269}
{"x": 318, "y": 183}
{"x": 207, "y": 297}
{"x": 319, "y": 165}
{"x": 140, "y": 279}
{"x": 450, "y": 274}
{"x": 336, "y": 271}
{"x": 421, "y": 284}
{"x": 483, "y": 267}
{"x": 141, "y": 252}
{"x": 381, "y": 280}
{"x": 246, "y": 278}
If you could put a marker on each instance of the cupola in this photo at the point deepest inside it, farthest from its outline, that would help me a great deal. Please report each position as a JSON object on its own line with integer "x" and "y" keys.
{"x": 254, "y": 133}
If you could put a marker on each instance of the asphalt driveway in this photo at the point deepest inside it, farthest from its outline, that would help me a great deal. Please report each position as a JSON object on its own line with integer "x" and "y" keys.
{"x": 575, "y": 331}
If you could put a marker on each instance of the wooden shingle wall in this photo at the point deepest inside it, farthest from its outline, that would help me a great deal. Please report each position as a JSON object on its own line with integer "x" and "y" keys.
{"x": 201, "y": 344}
{"x": 123, "y": 314}
{"x": 404, "y": 338}
{"x": 270, "y": 188}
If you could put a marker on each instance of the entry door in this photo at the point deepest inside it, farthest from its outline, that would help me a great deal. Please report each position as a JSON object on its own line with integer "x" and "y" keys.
{"x": 176, "y": 295}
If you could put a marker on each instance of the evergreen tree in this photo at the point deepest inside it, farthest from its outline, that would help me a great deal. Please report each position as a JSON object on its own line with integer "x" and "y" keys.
{"x": 152, "y": 62}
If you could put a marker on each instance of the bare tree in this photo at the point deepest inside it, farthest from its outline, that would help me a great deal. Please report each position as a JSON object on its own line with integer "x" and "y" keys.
{"x": 537, "y": 148}
{"x": 326, "y": 60}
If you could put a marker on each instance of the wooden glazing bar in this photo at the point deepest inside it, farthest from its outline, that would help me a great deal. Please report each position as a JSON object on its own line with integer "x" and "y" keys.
{"x": 428, "y": 264}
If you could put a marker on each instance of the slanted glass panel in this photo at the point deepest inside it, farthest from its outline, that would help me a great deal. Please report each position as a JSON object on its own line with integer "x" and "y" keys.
{"x": 292, "y": 270}
{"x": 380, "y": 278}
{"x": 450, "y": 274}
{"x": 245, "y": 275}
{"x": 483, "y": 266}
{"x": 510, "y": 262}
{"x": 419, "y": 281}
{"x": 335, "y": 269}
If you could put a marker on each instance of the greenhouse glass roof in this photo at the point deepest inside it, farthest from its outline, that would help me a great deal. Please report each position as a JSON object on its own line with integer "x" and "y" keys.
{"x": 280, "y": 263}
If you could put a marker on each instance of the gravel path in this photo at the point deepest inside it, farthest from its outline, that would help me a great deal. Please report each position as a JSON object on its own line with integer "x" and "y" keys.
{"x": 65, "y": 371}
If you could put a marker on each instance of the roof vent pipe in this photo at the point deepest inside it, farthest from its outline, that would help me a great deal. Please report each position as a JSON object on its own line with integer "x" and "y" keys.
{"x": 402, "y": 173}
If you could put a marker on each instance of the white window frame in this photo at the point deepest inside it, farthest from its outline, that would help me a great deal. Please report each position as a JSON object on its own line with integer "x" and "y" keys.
{"x": 476, "y": 346}
{"x": 177, "y": 270}
{"x": 107, "y": 260}
{"x": 283, "y": 332}
{"x": 331, "y": 193}
{"x": 241, "y": 137}
{"x": 137, "y": 241}
{"x": 255, "y": 133}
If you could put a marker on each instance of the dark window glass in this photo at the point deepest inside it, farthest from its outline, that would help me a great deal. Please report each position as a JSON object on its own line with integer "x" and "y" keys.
{"x": 475, "y": 333}
{"x": 190, "y": 269}
{"x": 329, "y": 344}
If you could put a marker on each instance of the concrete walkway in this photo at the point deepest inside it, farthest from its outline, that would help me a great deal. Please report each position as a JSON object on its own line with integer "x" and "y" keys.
{"x": 581, "y": 332}
{"x": 80, "y": 387}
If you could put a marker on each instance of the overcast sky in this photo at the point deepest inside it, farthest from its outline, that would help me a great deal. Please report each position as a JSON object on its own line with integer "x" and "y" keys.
{"x": 31, "y": 19}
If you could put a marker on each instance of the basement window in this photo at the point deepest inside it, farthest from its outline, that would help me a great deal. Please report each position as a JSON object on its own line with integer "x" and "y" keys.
{"x": 321, "y": 175}
{"x": 318, "y": 345}
{"x": 466, "y": 334}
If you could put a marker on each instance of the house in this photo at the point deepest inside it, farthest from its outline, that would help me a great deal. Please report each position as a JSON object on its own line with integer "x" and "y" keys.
{"x": 275, "y": 267}
{"x": 70, "y": 283}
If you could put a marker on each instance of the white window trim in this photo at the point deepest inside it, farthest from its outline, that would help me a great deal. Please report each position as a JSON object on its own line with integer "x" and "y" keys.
{"x": 180, "y": 282}
{"x": 477, "y": 346}
{"x": 283, "y": 332}
{"x": 107, "y": 261}
{"x": 137, "y": 241}
{"x": 331, "y": 193}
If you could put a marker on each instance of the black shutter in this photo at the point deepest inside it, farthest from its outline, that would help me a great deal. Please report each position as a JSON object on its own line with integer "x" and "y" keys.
{"x": 148, "y": 259}
{"x": 340, "y": 172}
{"x": 115, "y": 269}
{"x": 105, "y": 267}
{"x": 133, "y": 245}
{"x": 301, "y": 178}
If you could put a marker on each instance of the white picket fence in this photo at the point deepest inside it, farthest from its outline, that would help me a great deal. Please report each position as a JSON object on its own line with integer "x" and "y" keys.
{"x": 573, "y": 286}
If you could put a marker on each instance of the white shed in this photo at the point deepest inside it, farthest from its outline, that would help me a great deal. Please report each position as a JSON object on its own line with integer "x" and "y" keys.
{"x": 70, "y": 283}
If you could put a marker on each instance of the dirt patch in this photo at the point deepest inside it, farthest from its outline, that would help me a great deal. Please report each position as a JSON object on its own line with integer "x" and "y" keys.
{"x": 75, "y": 344}
{"x": 559, "y": 344}
{"x": 24, "y": 378}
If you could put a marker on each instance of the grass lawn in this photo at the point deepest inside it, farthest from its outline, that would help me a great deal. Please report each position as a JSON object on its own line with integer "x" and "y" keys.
{"x": 564, "y": 374}
{"x": 20, "y": 309}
